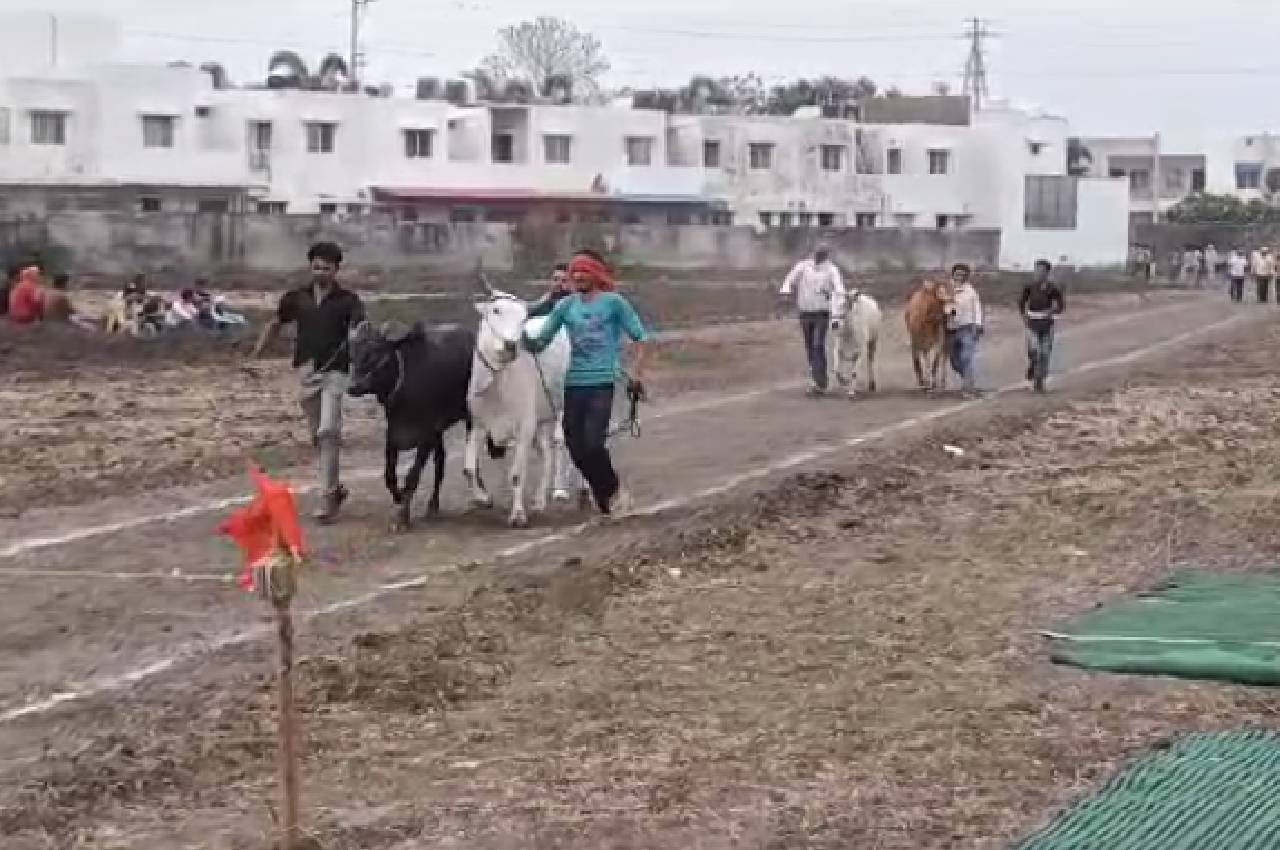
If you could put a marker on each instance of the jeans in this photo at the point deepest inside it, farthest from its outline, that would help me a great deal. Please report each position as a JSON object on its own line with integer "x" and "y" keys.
{"x": 321, "y": 398}
{"x": 1039, "y": 350}
{"x": 1236, "y": 289}
{"x": 1264, "y": 288}
{"x": 814, "y": 326}
{"x": 587, "y": 411}
{"x": 964, "y": 355}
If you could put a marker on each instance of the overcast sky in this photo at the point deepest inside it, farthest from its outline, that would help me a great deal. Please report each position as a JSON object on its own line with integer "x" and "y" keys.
{"x": 1186, "y": 67}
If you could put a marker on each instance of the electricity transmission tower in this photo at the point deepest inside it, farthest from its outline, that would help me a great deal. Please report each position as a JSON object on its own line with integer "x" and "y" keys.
{"x": 975, "y": 67}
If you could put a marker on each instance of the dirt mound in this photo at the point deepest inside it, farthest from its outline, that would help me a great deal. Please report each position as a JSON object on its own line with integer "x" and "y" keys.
{"x": 426, "y": 667}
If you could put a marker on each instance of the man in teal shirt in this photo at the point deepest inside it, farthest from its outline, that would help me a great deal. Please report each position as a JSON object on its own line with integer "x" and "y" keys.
{"x": 596, "y": 319}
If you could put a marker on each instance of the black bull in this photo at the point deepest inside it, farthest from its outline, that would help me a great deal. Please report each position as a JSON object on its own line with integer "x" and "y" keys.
{"x": 420, "y": 377}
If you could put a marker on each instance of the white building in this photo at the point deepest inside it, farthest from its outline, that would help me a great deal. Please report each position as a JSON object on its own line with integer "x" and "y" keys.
{"x": 1158, "y": 177}
{"x": 165, "y": 139}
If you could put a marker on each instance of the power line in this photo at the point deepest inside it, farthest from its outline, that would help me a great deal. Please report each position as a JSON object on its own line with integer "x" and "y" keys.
{"x": 773, "y": 37}
{"x": 383, "y": 47}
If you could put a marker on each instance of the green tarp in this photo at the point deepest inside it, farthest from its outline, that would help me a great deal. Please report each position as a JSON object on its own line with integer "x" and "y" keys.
{"x": 1198, "y": 625}
{"x": 1206, "y": 792}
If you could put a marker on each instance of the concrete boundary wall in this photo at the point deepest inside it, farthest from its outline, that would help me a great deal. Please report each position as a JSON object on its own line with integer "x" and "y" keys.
{"x": 212, "y": 243}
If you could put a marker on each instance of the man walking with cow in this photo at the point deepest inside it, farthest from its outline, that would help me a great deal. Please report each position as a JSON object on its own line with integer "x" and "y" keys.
{"x": 325, "y": 315}
{"x": 818, "y": 289}
{"x": 597, "y": 319}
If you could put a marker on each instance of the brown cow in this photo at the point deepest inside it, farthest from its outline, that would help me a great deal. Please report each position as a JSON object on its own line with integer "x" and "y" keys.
{"x": 926, "y": 316}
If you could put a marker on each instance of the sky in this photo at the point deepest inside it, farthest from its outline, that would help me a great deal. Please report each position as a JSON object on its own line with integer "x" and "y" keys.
{"x": 1187, "y": 68}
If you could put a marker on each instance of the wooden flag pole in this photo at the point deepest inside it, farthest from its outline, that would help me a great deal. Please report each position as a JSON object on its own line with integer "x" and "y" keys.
{"x": 287, "y": 728}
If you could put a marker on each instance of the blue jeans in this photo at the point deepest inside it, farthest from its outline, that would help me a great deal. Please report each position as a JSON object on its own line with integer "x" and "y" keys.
{"x": 964, "y": 354}
{"x": 814, "y": 326}
{"x": 1039, "y": 350}
{"x": 587, "y": 411}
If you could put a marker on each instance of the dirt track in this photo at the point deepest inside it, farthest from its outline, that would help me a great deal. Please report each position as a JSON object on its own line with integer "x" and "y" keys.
{"x": 843, "y": 661}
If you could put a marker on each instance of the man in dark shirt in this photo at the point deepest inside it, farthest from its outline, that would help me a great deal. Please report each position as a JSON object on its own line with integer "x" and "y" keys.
{"x": 1041, "y": 303}
{"x": 325, "y": 315}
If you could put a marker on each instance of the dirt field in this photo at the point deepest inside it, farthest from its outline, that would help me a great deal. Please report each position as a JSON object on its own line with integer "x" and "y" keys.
{"x": 844, "y": 659}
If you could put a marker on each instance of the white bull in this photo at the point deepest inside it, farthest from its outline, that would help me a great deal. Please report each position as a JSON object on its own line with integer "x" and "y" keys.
{"x": 855, "y": 336}
{"x": 515, "y": 400}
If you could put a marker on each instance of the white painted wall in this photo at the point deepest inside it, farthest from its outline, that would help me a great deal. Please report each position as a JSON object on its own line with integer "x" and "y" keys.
{"x": 1101, "y": 237}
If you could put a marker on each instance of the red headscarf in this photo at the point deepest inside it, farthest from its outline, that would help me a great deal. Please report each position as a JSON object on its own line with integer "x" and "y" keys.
{"x": 589, "y": 266}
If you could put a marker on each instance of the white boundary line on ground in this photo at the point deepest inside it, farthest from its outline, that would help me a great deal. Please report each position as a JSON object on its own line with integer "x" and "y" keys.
{"x": 194, "y": 650}
{"x": 32, "y": 544}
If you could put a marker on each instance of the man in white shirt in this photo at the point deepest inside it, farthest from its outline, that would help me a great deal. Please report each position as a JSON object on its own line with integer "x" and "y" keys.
{"x": 1263, "y": 266}
{"x": 1237, "y": 270}
{"x": 966, "y": 327}
{"x": 819, "y": 291}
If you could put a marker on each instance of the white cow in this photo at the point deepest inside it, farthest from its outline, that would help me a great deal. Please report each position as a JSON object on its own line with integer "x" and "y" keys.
{"x": 515, "y": 400}
{"x": 856, "y": 321}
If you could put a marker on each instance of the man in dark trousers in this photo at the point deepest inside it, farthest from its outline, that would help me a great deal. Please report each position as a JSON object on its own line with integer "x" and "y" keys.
{"x": 1041, "y": 303}
{"x": 325, "y": 314}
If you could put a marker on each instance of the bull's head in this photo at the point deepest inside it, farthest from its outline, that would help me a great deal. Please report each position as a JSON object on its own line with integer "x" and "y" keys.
{"x": 502, "y": 321}
{"x": 377, "y": 360}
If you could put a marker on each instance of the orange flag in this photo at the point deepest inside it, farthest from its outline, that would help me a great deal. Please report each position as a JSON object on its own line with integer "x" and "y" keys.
{"x": 266, "y": 526}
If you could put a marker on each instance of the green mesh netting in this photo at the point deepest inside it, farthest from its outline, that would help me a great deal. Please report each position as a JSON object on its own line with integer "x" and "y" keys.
{"x": 1198, "y": 626}
{"x": 1206, "y": 792}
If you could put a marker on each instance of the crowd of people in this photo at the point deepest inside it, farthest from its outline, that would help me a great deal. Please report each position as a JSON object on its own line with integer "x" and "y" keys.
{"x": 30, "y": 297}
{"x": 816, "y": 287}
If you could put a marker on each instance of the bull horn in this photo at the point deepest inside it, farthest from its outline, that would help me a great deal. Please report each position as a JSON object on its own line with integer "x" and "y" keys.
{"x": 483, "y": 280}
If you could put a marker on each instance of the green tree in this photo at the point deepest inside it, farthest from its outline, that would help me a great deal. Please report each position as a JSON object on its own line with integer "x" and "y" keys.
{"x": 1221, "y": 209}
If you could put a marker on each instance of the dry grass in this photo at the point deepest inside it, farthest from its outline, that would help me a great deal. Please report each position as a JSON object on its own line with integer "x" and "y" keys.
{"x": 848, "y": 660}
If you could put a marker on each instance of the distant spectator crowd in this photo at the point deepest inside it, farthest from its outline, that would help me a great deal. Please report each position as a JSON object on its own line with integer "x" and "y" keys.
{"x": 30, "y": 297}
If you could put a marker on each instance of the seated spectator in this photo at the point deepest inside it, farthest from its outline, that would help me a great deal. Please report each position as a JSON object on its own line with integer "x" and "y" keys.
{"x": 58, "y": 306}
{"x": 183, "y": 312}
{"x": 26, "y": 297}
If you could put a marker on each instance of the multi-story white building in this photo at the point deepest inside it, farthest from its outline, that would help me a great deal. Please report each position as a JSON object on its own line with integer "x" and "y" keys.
{"x": 161, "y": 139}
{"x": 1158, "y": 178}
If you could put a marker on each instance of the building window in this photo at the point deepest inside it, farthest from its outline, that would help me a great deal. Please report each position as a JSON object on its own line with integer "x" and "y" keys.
{"x": 805, "y": 219}
{"x": 1139, "y": 180}
{"x": 1175, "y": 180}
{"x": 564, "y": 217}
{"x": 355, "y": 209}
{"x": 833, "y": 157}
{"x": 463, "y": 215}
{"x": 4, "y": 125}
{"x": 502, "y": 147}
{"x": 894, "y": 164}
{"x": 722, "y": 219}
{"x": 150, "y": 204}
{"x": 260, "y": 133}
{"x": 678, "y": 217}
{"x": 784, "y": 219}
{"x": 942, "y": 221}
{"x": 1197, "y": 180}
{"x": 273, "y": 207}
{"x": 322, "y": 137}
{"x": 1051, "y": 202}
{"x": 1248, "y": 175}
{"x": 558, "y": 149}
{"x": 826, "y": 219}
{"x": 602, "y": 217}
{"x": 905, "y": 220}
{"x": 766, "y": 219}
{"x": 419, "y": 144}
{"x": 213, "y": 205}
{"x": 711, "y": 154}
{"x": 1118, "y": 173}
{"x": 760, "y": 155}
{"x": 864, "y": 221}
{"x": 631, "y": 218}
{"x": 48, "y": 127}
{"x": 158, "y": 131}
{"x": 639, "y": 150}
{"x": 939, "y": 162}
{"x": 328, "y": 209}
